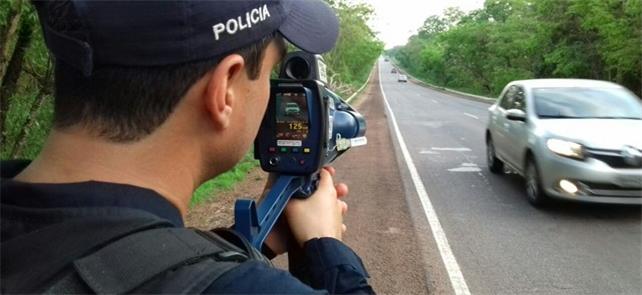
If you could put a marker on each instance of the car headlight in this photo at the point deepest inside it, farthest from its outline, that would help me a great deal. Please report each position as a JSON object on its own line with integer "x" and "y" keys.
{"x": 565, "y": 148}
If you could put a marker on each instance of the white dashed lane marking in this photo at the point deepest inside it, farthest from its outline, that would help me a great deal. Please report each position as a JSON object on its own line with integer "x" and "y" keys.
{"x": 452, "y": 149}
{"x": 472, "y": 116}
{"x": 466, "y": 167}
{"x": 428, "y": 152}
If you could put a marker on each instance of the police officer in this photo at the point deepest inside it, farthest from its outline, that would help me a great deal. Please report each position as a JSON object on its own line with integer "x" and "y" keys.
{"x": 153, "y": 98}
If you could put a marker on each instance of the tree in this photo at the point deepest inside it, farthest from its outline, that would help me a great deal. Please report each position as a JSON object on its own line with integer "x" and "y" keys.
{"x": 617, "y": 25}
{"x": 350, "y": 62}
{"x": 9, "y": 82}
{"x": 432, "y": 26}
{"x": 26, "y": 80}
{"x": 518, "y": 39}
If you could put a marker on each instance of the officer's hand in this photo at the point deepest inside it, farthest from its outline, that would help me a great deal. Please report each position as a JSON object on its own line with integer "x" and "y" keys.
{"x": 320, "y": 215}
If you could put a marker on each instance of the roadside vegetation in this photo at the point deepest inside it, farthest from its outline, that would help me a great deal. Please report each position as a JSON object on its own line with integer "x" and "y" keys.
{"x": 350, "y": 62}
{"x": 479, "y": 52}
{"x": 26, "y": 80}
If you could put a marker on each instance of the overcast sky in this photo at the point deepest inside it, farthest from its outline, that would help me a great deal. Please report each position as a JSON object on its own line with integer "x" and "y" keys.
{"x": 396, "y": 20}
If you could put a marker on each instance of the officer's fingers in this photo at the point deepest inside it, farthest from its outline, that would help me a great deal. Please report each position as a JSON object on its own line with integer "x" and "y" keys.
{"x": 343, "y": 207}
{"x": 342, "y": 190}
{"x": 325, "y": 181}
{"x": 330, "y": 169}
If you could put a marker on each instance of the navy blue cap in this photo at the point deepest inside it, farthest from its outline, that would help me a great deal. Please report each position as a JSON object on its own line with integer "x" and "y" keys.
{"x": 154, "y": 33}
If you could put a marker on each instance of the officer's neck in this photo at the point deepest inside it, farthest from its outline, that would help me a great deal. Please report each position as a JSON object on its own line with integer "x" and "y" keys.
{"x": 74, "y": 156}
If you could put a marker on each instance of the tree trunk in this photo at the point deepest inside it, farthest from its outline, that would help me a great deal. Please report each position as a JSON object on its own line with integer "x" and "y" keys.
{"x": 7, "y": 34}
{"x": 45, "y": 90}
{"x": 10, "y": 80}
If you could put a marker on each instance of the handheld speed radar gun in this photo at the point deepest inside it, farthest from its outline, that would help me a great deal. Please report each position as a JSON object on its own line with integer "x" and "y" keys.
{"x": 306, "y": 126}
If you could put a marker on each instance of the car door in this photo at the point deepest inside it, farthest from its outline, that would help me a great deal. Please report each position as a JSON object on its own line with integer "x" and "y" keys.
{"x": 500, "y": 123}
{"x": 517, "y": 131}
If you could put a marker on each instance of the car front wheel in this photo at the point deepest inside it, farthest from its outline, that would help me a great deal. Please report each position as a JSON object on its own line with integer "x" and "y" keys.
{"x": 534, "y": 192}
{"x": 495, "y": 165}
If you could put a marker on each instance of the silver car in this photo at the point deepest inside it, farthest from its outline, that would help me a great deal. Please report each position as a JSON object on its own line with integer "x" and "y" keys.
{"x": 570, "y": 139}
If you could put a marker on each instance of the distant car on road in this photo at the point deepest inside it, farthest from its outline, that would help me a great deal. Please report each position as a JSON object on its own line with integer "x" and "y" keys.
{"x": 292, "y": 109}
{"x": 570, "y": 139}
{"x": 402, "y": 78}
{"x": 386, "y": 59}
{"x": 393, "y": 71}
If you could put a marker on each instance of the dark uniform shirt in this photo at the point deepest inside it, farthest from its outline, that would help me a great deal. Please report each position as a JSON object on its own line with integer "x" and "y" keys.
{"x": 331, "y": 265}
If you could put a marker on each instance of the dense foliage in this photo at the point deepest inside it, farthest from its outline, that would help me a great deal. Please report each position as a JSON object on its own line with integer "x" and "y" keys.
{"x": 26, "y": 81}
{"x": 26, "y": 78}
{"x": 350, "y": 62}
{"x": 509, "y": 40}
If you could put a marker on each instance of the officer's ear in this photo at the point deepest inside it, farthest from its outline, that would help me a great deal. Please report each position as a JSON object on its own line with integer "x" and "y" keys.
{"x": 224, "y": 86}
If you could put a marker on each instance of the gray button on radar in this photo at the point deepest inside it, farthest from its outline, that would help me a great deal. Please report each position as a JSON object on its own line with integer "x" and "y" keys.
{"x": 274, "y": 161}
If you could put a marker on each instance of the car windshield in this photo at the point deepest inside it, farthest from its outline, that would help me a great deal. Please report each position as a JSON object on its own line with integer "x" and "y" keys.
{"x": 585, "y": 103}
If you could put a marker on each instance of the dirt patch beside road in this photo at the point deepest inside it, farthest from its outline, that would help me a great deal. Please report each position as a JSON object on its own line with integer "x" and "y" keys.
{"x": 219, "y": 211}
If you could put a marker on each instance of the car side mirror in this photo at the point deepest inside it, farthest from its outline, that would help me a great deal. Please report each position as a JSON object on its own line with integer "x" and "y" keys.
{"x": 516, "y": 115}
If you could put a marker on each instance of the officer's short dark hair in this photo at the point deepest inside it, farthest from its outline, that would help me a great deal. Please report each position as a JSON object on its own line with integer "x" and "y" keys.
{"x": 127, "y": 103}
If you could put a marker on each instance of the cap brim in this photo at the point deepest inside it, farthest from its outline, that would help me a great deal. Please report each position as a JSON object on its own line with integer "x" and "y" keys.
{"x": 310, "y": 25}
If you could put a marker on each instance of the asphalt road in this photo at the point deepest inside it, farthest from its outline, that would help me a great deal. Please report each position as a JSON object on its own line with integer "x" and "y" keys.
{"x": 500, "y": 243}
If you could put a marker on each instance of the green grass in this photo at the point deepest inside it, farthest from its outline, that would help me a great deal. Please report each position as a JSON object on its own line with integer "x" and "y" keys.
{"x": 225, "y": 181}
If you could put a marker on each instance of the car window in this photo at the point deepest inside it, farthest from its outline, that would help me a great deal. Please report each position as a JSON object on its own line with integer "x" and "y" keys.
{"x": 584, "y": 102}
{"x": 519, "y": 99}
{"x": 507, "y": 100}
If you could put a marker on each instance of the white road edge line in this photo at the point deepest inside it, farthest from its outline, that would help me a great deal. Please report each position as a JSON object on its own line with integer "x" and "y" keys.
{"x": 454, "y": 272}
{"x": 472, "y": 116}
